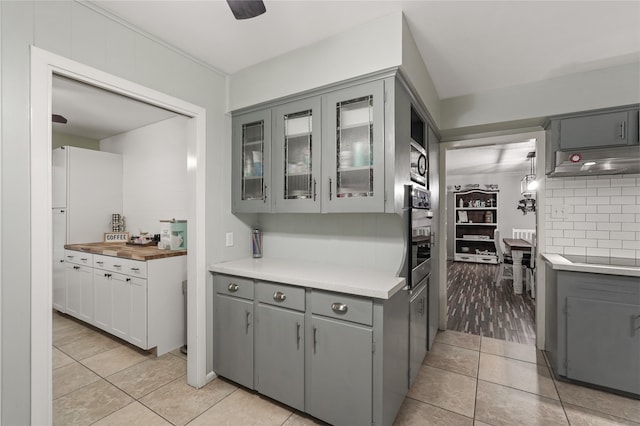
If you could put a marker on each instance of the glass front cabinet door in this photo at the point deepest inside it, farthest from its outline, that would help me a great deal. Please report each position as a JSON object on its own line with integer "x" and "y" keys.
{"x": 296, "y": 156}
{"x": 353, "y": 149}
{"x": 252, "y": 162}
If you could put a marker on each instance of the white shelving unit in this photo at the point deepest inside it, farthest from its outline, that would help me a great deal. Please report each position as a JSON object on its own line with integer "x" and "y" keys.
{"x": 476, "y": 219}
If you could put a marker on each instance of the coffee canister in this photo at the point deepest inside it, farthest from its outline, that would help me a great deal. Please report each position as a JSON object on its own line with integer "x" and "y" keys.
{"x": 256, "y": 243}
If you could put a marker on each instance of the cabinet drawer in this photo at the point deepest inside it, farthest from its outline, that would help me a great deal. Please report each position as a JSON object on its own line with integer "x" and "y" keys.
{"x": 135, "y": 268}
{"x": 342, "y": 306}
{"x": 280, "y": 295}
{"x": 233, "y": 286}
{"x": 78, "y": 257}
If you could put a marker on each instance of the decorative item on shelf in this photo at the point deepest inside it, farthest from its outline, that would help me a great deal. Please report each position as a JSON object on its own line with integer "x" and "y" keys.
{"x": 461, "y": 203}
{"x": 462, "y": 217}
{"x": 485, "y": 252}
{"x": 491, "y": 186}
{"x": 117, "y": 223}
{"x": 488, "y": 217}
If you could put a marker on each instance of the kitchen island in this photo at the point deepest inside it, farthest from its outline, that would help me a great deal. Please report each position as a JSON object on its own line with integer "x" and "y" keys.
{"x": 593, "y": 321}
{"x": 329, "y": 340}
{"x": 134, "y": 293}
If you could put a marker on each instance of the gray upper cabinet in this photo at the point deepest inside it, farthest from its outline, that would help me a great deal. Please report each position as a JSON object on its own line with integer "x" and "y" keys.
{"x": 599, "y": 130}
{"x": 251, "y": 154}
{"x": 353, "y": 149}
{"x": 297, "y": 155}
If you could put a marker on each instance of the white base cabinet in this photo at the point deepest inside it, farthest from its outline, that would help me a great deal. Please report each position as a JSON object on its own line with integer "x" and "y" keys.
{"x": 113, "y": 294}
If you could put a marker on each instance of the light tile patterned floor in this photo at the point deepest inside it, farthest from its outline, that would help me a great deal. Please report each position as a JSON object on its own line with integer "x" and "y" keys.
{"x": 465, "y": 380}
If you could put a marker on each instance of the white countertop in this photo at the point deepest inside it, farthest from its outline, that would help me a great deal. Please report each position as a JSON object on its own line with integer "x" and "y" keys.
{"x": 560, "y": 263}
{"x": 322, "y": 276}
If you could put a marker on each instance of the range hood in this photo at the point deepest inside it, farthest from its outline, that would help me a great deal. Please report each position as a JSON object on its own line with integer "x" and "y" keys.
{"x": 597, "y": 161}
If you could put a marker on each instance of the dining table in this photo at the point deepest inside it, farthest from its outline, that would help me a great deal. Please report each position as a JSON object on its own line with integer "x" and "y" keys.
{"x": 518, "y": 248}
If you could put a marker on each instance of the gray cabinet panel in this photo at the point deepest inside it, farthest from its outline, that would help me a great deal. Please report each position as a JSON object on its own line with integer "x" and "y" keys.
{"x": 297, "y": 151}
{"x": 279, "y": 344}
{"x": 339, "y": 388}
{"x": 418, "y": 332}
{"x": 233, "y": 331}
{"x": 251, "y": 156}
{"x": 599, "y": 130}
{"x": 603, "y": 344}
{"x": 342, "y": 306}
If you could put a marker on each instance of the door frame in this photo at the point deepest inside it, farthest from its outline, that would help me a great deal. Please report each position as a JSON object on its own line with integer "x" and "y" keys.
{"x": 476, "y": 141}
{"x": 43, "y": 65}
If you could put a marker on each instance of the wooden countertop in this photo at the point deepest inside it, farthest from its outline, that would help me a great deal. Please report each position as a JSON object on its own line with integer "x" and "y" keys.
{"x": 125, "y": 250}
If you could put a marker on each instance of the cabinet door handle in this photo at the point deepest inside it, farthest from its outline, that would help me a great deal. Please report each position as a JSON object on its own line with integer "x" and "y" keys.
{"x": 117, "y": 266}
{"x": 265, "y": 193}
{"x": 297, "y": 335}
{"x": 84, "y": 259}
{"x": 100, "y": 262}
{"x": 315, "y": 339}
{"x": 339, "y": 308}
{"x": 128, "y": 280}
{"x": 76, "y": 267}
{"x": 135, "y": 269}
{"x": 233, "y": 288}
{"x": 623, "y": 129}
{"x": 279, "y": 296}
{"x": 61, "y": 260}
{"x": 315, "y": 187}
{"x": 634, "y": 327}
{"x": 330, "y": 190}
{"x": 248, "y": 324}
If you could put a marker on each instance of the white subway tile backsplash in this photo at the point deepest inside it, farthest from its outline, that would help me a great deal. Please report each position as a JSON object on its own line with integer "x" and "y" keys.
{"x": 586, "y": 209}
{"x": 578, "y": 183}
{"x": 564, "y": 193}
{"x": 631, "y": 208}
{"x": 605, "y": 252}
{"x": 598, "y": 200}
{"x": 577, "y": 251}
{"x": 626, "y": 254}
{"x": 631, "y": 245}
{"x": 610, "y": 244}
{"x": 587, "y": 192}
{"x": 631, "y": 190}
{"x": 599, "y": 235}
{"x": 625, "y": 199}
{"x": 609, "y": 226}
{"x": 609, "y": 208}
{"x": 600, "y": 217}
{"x": 575, "y": 200}
{"x": 623, "y": 181}
{"x": 574, "y": 234}
{"x": 587, "y": 226}
{"x": 585, "y": 242}
{"x": 554, "y": 183}
{"x": 599, "y": 183}
{"x": 609, "y": 191}
{"x": 625, "y": 218}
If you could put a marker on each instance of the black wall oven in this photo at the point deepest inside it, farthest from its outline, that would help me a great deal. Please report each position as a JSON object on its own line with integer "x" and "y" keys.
{"x": 419, "y": 234}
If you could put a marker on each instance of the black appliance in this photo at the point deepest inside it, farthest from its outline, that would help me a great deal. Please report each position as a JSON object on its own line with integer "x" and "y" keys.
{"x": 418, "y": 154}
{"x": 418, "y": 208}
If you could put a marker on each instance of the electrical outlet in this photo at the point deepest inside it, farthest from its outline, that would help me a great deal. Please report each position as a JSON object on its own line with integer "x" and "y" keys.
{"x": 559, "y": 211}
{"x": 229, "y": 239}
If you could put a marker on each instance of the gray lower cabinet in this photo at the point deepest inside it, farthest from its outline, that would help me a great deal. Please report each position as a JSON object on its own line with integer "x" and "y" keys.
{"x": 339, "y": 384}
{"x": 279, "y": 341}
{"x": 594, "y": 329}
{"x": 233, "y": 329}
{"x": 418, "y": 334}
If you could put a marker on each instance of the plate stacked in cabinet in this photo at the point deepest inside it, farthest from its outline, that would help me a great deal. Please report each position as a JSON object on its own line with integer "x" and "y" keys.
{"x": 476, "y": 219}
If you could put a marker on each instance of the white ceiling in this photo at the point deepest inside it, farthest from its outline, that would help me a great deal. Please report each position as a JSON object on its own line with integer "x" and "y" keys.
{"x": 491, "y": 159}
{"x": 467, "y": 46}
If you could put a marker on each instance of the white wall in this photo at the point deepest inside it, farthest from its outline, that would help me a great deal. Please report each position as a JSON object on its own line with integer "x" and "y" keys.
{"x": 601, "y": 88}
{"x": 373, "y": 46}
{"x": 508, "y": 196}
{"x": 602, "y": 216}
{"x": 76, "y": 31}
{"x": 154, "y": 184}
{"x": 372, "y": 241}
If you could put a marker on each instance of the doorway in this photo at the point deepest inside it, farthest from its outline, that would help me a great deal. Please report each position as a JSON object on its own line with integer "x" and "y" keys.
{"x": 43, "y": 66}
{"x": 482, "y": 193}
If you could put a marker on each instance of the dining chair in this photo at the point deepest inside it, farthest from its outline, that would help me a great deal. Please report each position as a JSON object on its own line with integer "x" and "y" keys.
{"x": 524, "y": 234}
{"x": 505, "y": 261}
{"x": 530, "y": 267}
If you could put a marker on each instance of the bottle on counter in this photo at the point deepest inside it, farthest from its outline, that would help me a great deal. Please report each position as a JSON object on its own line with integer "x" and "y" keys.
{"x": 256, "y": 243}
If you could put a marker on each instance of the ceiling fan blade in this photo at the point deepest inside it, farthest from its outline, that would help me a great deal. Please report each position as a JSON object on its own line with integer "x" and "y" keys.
{"x": 245, "y": 9}
{"x": 58, "y": 119}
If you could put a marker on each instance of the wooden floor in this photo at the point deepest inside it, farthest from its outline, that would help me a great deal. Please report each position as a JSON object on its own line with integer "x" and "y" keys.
{"x": 476, "y": 305}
